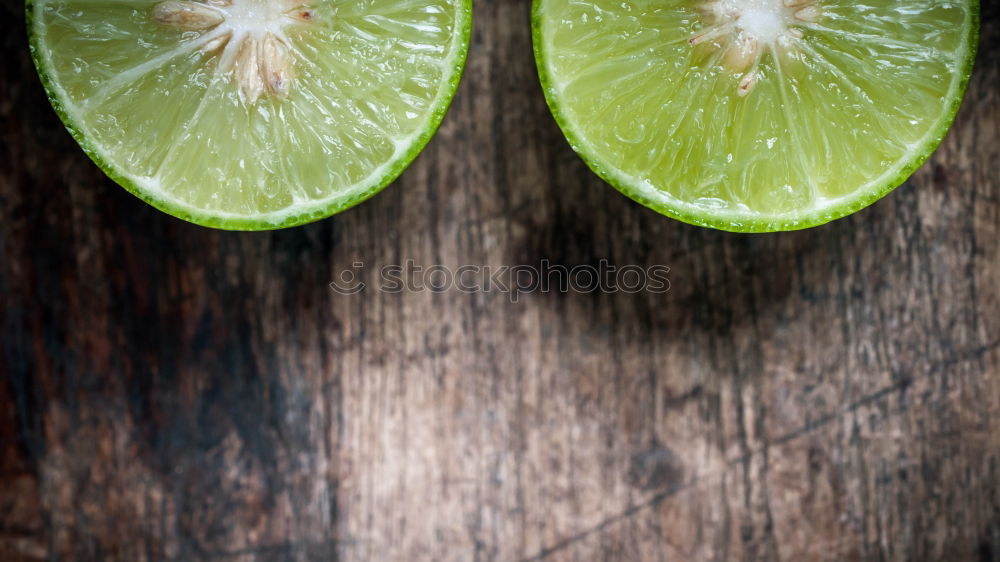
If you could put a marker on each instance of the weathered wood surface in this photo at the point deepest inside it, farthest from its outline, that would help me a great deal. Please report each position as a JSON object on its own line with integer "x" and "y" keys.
{"x": 175, "y": 393}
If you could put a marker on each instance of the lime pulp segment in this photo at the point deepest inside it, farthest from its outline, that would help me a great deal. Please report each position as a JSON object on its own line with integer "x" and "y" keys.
{"x": 251, "y": 114}
{"x": 755, "y": 115}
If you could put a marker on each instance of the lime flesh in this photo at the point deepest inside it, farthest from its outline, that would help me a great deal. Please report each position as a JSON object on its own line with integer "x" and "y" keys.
{"x": 755, "y": 115}
{"x": 251, "y": 114}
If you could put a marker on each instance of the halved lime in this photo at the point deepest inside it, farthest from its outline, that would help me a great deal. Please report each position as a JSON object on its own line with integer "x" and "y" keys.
{"x": 251, "y": 114}
{"x": 755, "y": 115}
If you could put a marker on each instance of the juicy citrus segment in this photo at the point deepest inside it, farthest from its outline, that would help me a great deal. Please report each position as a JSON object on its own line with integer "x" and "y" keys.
{"x": 252, "y": 113}
{"x": 754, "y": 114}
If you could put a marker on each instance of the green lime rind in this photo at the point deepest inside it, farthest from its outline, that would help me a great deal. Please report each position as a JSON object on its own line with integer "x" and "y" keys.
{"x": 758, "y": 224}
{"x": 240, "y": 223}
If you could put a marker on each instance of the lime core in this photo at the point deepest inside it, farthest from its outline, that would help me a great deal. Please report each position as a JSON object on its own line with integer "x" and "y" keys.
{"x": 248, "y": 36}
{"x": 752, "y": 27}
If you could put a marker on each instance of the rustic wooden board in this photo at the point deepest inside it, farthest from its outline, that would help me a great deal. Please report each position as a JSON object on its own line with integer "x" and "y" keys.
{"x": 175, "y": 393}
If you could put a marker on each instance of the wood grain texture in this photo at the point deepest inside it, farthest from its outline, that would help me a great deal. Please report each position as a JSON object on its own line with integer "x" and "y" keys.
{"x": 174, "y": 393}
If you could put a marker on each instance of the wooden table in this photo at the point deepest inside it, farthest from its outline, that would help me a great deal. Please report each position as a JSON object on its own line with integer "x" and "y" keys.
{"x": 174, "y": 393}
